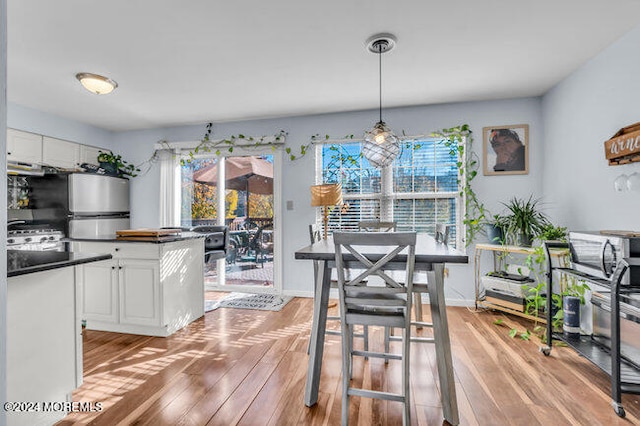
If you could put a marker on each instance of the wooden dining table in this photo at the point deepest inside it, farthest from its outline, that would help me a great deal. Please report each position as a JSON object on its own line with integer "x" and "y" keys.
{"x": 430, "y": 256}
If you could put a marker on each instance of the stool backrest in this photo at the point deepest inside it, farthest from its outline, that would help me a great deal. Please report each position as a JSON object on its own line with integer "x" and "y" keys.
{"x": 379, "y": 250}
{"x": 442, "y": 233}
{"x": 377, "y": 226}
{"x": 314, "y": 233}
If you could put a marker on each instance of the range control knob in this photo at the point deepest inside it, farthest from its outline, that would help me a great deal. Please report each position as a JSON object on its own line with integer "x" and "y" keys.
{"x": 27, "y": 240}
{"x": 11, "y": 241}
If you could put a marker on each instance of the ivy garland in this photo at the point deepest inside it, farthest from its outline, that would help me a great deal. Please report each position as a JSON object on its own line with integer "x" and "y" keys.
{"x": 457, "y": 139}
{"x": 207, "y": 145}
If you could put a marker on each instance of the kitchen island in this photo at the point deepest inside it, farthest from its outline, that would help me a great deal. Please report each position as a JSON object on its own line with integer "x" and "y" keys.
{"x": 152, "y": 286}
{"x": 44, "y": 333}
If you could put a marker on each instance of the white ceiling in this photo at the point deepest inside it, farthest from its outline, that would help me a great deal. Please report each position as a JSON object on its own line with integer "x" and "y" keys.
{"x": 183, "y": 62}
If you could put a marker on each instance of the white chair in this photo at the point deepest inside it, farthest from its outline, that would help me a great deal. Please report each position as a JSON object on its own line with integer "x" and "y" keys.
{"x": 387, "y": 306}
{"x": 380, "y": 226}
{"x": 377, "y": 226}
{"x": 420, "y": 279}
{"x": 315, "y": 235}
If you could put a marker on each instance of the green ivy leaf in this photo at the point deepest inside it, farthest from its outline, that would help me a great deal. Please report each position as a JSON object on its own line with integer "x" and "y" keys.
{"x": 513, "y": 332}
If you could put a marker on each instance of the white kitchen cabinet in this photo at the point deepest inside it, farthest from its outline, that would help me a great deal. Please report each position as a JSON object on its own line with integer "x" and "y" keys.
{"x": 139, "y": 286}
{"x": 44, "y": 343}
{"x": 60, "y": 153}
{"x": 24, "y": 147}
{"x": 89, "y": 154}
{"x": 152, "y": 289}
{"x": 100, "y": 299}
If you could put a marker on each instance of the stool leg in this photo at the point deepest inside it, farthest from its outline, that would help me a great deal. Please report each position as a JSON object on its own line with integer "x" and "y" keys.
{"x": 387, "y": 349}
{"x": 365, "y": 331}
{"x": 406, "y": 415}
{"x": 346, "y": 372}
{"x": 417, "y": 303}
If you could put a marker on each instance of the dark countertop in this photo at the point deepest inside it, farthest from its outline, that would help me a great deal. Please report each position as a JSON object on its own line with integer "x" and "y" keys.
{"x": 21, "y": 262}
{"x": 157, "y": 240}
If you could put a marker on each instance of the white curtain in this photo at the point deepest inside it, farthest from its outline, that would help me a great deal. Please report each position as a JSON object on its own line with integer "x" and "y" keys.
{"x": 169, "y": 187}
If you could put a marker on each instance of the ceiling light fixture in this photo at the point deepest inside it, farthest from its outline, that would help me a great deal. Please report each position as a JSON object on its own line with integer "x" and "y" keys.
{"x": 95, "y": 83}
{"x": 380, "y": 145}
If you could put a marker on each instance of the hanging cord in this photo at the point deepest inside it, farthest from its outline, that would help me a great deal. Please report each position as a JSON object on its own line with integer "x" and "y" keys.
{"x": 380, "y": 74}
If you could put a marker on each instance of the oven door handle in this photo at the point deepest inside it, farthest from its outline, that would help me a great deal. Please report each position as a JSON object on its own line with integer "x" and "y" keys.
{"x": 603, "y": 265}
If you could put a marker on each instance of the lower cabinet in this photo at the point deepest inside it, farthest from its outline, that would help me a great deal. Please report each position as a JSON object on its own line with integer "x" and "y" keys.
{"x": 139, "y": 287}
{"x": 156, "y": 295}
{"x": 100, "y": 297}
{"x": 44, "y": 345}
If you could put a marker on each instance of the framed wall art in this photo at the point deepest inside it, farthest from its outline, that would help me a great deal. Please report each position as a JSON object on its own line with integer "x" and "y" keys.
{"x": 506, "y": 149}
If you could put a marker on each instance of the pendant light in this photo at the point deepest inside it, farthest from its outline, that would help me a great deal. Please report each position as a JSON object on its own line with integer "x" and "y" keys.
{"x": 380, "y": 145}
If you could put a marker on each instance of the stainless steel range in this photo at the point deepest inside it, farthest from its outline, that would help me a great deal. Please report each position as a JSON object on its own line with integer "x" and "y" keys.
{"x": 39, "y": 239}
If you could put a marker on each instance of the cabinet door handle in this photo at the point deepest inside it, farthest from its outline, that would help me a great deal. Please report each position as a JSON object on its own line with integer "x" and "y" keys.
{"x": 119, "y": 267}
{"x": 117, "y": 249}
{"x": 113, "y": 267}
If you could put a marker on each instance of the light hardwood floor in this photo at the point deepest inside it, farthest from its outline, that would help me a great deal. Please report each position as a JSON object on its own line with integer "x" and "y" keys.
{"x": 248, "y": 367}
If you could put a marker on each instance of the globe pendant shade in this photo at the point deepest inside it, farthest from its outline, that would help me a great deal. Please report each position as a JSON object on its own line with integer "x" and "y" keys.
{"x": 380, "y": 145}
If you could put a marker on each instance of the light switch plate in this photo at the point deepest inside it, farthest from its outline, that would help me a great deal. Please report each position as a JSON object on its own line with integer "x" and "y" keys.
{"x": 289, "y": 204}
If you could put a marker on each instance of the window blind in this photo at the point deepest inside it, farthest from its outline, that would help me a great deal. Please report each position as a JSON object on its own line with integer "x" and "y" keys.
{"x": 417, "y": 191}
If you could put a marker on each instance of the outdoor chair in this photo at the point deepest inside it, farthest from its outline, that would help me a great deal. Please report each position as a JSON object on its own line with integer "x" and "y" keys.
{"x": 387, "y": 306}
{"x": 260, "y": 247}
{"x": 216, "y": 241}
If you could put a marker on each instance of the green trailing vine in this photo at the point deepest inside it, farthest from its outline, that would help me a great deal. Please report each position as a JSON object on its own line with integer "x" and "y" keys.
{"x": 459, "y": 140}
{"x": 229, "y": 144}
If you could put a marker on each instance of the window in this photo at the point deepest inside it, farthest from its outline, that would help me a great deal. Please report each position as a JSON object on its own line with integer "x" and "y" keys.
{"x": 417, "y": 191}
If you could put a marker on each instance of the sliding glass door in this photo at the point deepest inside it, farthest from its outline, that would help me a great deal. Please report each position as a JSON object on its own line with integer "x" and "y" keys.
{"x": 238, "y": 191}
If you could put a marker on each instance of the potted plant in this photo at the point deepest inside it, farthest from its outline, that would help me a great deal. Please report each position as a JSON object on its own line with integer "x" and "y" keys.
{"x": 550, "y": 232}
{"x": 524, "y": 221}
{"x": 114, "y": 164}
{"x": 495, "y": 229}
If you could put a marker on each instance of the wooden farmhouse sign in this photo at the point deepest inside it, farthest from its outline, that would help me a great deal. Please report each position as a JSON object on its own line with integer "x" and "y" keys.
{"x": 624, "y": 146}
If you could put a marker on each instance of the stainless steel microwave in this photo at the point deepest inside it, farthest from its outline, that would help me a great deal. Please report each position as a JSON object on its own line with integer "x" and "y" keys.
{"x": 598, "y": 254}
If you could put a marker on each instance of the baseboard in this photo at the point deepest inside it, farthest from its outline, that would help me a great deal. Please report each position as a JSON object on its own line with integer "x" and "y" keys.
{"x": 298, "y": 293}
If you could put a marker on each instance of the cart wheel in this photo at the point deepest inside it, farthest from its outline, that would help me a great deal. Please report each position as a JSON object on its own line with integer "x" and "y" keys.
{"x": 545, "y": 350}
{"x": 619, "y": 410}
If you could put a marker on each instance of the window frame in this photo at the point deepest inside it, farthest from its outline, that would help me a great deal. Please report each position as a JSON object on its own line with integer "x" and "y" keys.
{"x": 387, "y": 196}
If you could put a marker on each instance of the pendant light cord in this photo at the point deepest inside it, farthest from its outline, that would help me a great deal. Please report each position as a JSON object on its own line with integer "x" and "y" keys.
{"x": 380, "y": 74}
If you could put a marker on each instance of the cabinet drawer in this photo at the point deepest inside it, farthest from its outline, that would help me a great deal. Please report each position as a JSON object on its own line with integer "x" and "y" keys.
{"x": 120, "y": 250}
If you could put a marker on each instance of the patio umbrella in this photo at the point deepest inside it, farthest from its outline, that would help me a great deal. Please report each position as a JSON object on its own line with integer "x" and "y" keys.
{"x": 250, "y": 174}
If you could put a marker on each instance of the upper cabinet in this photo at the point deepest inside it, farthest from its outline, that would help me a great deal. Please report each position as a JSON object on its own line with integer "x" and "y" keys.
{"x": 24, "y": 147}
{"x": 59, "y": 153}
{"x": 89, "y": 154}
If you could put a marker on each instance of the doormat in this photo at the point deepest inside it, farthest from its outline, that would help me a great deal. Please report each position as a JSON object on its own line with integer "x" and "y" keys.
{"x": 262, "y": 302}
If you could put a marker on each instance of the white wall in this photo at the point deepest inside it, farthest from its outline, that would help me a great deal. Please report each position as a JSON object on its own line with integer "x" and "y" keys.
{"x": 298, "y": 175}
{"x": 42, "y": 123}
{"x": 580, "y": 114}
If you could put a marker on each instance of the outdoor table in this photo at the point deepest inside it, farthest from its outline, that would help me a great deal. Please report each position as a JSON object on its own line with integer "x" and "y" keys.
{"x": 430, "y": 257}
